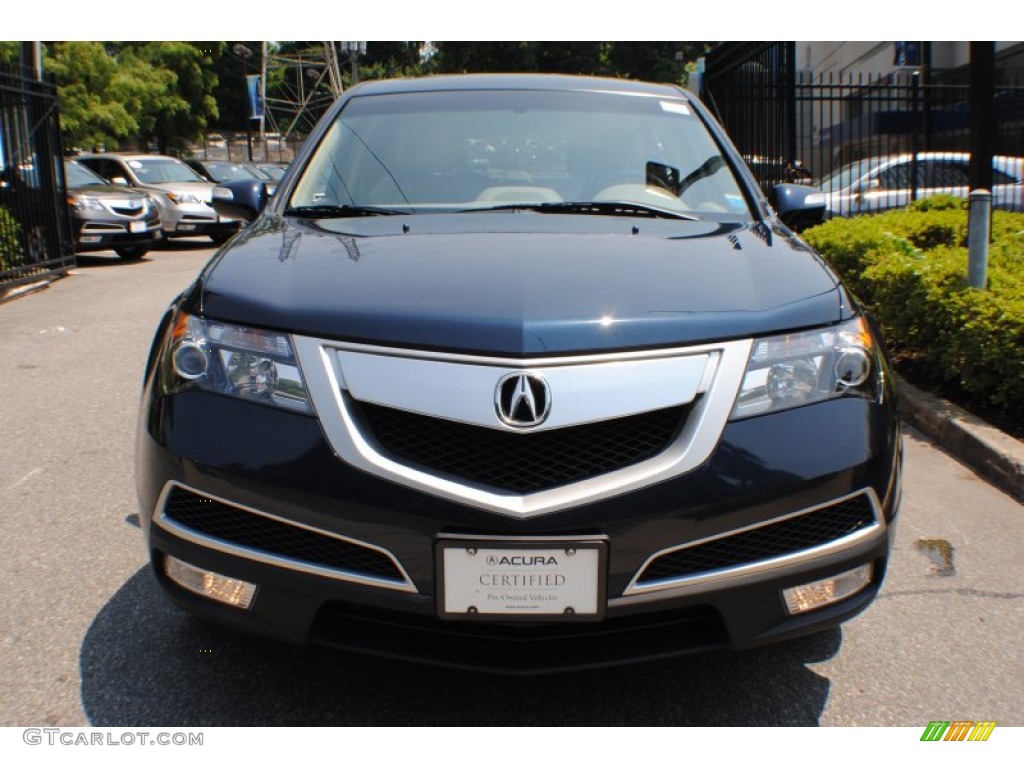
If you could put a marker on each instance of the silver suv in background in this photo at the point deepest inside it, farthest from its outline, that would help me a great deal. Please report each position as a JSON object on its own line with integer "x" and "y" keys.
{"x": 182, "y": 195}
{"x": 877, "y": 184}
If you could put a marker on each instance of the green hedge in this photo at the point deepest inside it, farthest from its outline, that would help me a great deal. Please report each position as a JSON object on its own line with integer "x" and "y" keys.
{"x": 909, "y": 267}
{"x": 11, "y": 254}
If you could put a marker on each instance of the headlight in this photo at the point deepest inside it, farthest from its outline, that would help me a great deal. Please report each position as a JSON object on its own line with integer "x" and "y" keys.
{"x": 82, "y": 203}
{"x": 180, "y": 197}
{"x": 233, "y": 360}
{"x": 801, "y": 368}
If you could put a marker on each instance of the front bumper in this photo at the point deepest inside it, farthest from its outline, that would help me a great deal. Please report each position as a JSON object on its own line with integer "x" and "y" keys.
{"x": 188, "y": 219}
{"x": 97, "y": 233}
{"x": 262, "y": 461}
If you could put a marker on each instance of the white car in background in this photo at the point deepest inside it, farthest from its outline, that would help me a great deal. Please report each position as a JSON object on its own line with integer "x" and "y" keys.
{"x": 879, "y": 183}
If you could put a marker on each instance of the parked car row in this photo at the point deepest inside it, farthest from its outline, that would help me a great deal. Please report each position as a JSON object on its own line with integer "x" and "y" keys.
{"x": 128, "y": 202}
{"x": 875, "y": 184}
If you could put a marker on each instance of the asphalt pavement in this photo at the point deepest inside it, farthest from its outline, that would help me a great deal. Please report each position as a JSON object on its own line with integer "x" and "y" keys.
{"x": 88, "y": 640}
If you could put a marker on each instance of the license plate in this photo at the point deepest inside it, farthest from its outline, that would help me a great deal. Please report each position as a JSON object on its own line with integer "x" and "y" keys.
{"x": 546, "y": 580}
{"x": 136, "y": 226}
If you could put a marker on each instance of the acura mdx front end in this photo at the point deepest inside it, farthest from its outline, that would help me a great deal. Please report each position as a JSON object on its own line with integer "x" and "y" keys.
{"x": 519, "y": 374}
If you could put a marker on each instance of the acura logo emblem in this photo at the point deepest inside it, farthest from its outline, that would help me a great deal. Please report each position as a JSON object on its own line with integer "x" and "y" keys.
{"x": 522, "y": 399}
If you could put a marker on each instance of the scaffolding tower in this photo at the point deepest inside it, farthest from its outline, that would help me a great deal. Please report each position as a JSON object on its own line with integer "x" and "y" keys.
{"x": 306, "y": 82}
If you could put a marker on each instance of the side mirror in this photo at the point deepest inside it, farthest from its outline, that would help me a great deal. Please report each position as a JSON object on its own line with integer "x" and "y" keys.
{"x": 798, "y": 206}
{"x": 121, "y": 181}
{"x": 243, "y": 199}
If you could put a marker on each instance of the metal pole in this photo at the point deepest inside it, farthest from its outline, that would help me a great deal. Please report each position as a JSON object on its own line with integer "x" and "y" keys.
{"x": 915, "y": 81}
{"x": 979, "y": 217}
{"x": 263, "y": 94}
{"x": 983, "y": 113}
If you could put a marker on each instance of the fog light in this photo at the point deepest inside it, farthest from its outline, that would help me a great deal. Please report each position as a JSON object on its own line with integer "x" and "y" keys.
{"x": 186, "y": 227}
{"x": 89, "y": 239}
{"x": 807, "y": 597}
{"x": 223, "y": 589}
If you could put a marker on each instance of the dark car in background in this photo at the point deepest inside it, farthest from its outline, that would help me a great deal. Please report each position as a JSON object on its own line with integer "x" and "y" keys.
{"x": 273, "y": 171}
{"x": 220, "y": 171}
{"x": 182, "y": 195}
{"x": 107, "y": 216}
{"x": 520, "y": 374}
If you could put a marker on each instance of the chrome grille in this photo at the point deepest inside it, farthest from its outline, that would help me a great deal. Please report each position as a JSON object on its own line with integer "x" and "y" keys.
{"x": 521, "y": 462}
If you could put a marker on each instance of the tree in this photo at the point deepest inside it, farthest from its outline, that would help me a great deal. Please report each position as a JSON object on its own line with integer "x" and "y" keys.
{"x": 189, "y": 107}
{"x": 455, "y": 57}
{"x": 656, "y": 61}
{"x": 90, "y": 90}
{"x": 660, "y": 62}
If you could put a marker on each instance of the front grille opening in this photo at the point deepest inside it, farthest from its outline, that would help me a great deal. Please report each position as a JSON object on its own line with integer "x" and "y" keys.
{"x": 786, "y": 537}
{"x": 240, "y": 527}
{"x": 521, "y": 462}
{"x": 517, "y": 648}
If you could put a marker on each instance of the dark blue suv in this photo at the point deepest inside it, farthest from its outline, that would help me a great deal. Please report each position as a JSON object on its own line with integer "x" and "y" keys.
{"x": 524, "y": 374}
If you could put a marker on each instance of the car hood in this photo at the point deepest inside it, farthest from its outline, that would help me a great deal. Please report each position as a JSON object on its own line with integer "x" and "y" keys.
{"x": 108, "y": 192}
{"x": 518, "y": 285}
{"x": 201, "y": 189}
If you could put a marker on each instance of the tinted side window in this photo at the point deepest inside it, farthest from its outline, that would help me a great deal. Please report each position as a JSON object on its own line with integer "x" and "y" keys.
{"x": 947, "y": 174}
{"x": 998, "y": 177}
{"x": 896, "y": 177}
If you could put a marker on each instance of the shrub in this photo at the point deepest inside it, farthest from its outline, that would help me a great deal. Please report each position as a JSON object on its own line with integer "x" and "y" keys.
{"x": 909, "y": 268}
{"x": 11, "y": 253}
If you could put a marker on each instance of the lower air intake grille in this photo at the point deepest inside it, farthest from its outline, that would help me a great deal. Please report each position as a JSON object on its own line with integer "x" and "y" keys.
{"x": 521, "y": 462}
{"x": 772, "y": 540}
{"x": 234, "y": 525}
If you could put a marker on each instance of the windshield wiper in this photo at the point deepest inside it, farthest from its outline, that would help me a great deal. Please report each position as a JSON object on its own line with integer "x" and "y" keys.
{"x": 593, "y": 208}
{"x": 338, "y": 211}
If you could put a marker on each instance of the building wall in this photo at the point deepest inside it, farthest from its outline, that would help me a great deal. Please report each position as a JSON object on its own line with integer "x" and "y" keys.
{"x": 874, "y": 58}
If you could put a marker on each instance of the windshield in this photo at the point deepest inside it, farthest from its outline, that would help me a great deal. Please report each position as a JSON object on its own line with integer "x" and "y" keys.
{"x": 231, "y": 172}
{"x": 162, "y": 170}
{"x": 274, "y": 172}
{"x": 79, "y": 176}
{"x": 478, "y": 150}
{"x": 849, "y": 173}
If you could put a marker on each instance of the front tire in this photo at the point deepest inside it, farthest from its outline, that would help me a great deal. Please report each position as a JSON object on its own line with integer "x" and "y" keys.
{"x": 132, "y": 252}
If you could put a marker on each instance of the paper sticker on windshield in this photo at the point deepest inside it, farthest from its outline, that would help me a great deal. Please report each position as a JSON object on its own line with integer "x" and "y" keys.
{"x": 675, "y": 106}
{"x": 135, "y": 163}
{"x": 735, "y": 201}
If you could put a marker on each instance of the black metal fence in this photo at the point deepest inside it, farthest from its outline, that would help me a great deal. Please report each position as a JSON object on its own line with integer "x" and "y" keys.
{"x": 238, "y": 147}
{"x": 880, "y": 140}
{"x": 35, "y": 232}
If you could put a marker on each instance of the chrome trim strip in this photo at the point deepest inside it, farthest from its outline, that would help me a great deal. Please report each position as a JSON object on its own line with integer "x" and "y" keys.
{"x": 579, "y": 393}
{"x": 515, "y": 362}
{"x": 203, "y": 540}
{"x": 325, "y": 383}
{"x": 794, "y": 558}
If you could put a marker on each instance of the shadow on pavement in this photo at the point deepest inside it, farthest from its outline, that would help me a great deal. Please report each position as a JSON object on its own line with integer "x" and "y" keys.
{"x": 197, "y": 243}
{"x": 145, "y": 663}
{"x": 104, "y": 259}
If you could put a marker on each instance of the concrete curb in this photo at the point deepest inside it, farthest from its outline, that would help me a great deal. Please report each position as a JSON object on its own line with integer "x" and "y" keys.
{"x": 991, "y": 453}
{"x": 21, "y": 290}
